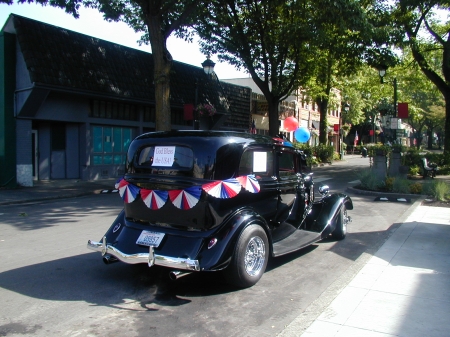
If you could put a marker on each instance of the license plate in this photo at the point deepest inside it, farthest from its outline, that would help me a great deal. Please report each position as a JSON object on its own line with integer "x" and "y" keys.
{"x": 148, "y": 238}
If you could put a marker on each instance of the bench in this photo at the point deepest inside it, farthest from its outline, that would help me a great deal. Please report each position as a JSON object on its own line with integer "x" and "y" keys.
{"x": 429, "y": 169}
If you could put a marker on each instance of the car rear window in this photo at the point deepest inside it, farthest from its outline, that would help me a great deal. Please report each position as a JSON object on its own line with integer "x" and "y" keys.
{"x": 166, "y": 157}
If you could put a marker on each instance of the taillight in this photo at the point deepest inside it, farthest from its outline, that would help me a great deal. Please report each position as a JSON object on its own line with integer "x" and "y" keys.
{"x": 212, "y": 243}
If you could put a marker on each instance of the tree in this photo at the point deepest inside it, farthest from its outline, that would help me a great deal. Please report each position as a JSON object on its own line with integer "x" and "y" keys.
{"x": 271, "y": 39}
{"x": 157, "y": 20}
{"x": 425, "y": 35}
{"x": 346, "y": 33}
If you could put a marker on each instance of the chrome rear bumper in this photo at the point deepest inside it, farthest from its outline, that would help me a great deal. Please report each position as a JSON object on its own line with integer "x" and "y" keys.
{"x": 150, "y": 258}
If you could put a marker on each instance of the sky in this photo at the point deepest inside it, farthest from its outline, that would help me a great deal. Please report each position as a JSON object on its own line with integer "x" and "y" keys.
{"x": 91, "y": 23}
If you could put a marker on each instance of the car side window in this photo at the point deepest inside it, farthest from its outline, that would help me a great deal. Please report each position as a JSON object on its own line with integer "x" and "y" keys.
{"x": 286, "y": 164}
{"x": 257, "y": 162}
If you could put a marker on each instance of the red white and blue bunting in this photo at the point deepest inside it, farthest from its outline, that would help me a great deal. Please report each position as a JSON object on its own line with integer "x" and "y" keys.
{"x": 188, "y": 197}
{"x": 127, "y": 191}
{"x": 154, "y": 199}
{"x": 185, "y": 199}
{"x": 223, "y": 189}
{"x": 249, "y": 183}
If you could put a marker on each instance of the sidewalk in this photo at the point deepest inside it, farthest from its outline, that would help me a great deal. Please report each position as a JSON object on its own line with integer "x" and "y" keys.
{"x": 403, "y": 290}
{"x": 54, "y": 189}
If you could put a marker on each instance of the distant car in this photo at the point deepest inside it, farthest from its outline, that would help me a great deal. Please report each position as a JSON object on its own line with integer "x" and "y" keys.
{"x": 218, "y": 201}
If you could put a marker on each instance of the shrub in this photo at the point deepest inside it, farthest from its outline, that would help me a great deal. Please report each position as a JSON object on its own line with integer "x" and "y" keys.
{"x": 412, "y": 157}
{"x": 378, "y": 149}
{"x": 401, "y": 185}
{"x": 415, "y": 188}
{"x": 369, "y": 180}
{"x": 389, "y": 183}
{"x": 437, "y": 158}
{"x": 440, "y": 190}
{"x": 414, "y": 170}
{"x": 444, "y": 170}
{"x": 324, "y": 153}
{"x": 308, "y": 151}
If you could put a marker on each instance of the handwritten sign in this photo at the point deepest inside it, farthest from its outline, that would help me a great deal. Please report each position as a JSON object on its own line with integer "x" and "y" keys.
{"x": 163, "y": 156}
{"x": 259, "y": 161}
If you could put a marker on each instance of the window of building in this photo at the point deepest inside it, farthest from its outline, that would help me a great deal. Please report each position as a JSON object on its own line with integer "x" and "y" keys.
{"x": 114, "y": 110}
{"x": 110, "y": 144}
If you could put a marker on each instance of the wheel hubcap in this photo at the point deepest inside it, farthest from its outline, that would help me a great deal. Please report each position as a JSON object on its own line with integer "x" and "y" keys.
{"x": 255, "y": 255}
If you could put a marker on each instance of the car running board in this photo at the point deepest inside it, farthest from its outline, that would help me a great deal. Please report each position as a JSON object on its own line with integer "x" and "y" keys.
{"x": 297, "y": 240}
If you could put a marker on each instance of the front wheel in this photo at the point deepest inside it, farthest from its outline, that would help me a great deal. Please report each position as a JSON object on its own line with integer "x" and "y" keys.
{"x": 250, "y": 257}
{"x": 340, "y": 231}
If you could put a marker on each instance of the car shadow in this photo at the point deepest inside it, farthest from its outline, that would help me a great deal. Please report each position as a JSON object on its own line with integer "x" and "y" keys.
{"x": 86, "y": 278}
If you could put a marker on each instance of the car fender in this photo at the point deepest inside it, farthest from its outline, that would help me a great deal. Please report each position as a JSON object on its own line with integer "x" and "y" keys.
{"x": 219, "y": 256}
{"x": 116, "y": 227}
{"x": 323, "y": 216}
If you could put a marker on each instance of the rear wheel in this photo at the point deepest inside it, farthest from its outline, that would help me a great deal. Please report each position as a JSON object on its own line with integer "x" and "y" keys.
{"x": 340, "y": 231}
{"x": 250, "y": 257}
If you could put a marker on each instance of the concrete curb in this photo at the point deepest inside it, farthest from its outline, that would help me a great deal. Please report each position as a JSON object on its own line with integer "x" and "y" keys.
{"x": 387, "y": 194}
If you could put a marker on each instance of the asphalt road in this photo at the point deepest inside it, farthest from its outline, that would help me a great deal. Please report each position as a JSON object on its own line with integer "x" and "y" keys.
{"x": 51, "y": 285}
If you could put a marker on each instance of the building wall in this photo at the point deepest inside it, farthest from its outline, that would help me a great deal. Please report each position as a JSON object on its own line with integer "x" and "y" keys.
{"x": 63, "y": 120}
{"x": 24, "y": 168}
{"x": 7, "y": 122}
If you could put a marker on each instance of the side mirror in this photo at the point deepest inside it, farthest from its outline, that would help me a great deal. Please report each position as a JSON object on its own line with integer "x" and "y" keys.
{"x": 324, "y": 190}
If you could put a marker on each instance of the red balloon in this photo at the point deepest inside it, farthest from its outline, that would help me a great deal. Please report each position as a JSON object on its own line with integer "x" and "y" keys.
{"x": 290, "y": 124}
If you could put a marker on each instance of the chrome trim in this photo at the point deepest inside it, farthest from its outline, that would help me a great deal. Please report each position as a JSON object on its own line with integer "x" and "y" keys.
{"x": 324, "y": 190}
{"x": 176, "y": 274}
{"x": 150, "y": 258}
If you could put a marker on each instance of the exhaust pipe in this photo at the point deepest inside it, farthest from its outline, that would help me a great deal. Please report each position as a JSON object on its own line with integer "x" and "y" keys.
{"x": 176, "y": 274}
{"x": 108, "y": 259}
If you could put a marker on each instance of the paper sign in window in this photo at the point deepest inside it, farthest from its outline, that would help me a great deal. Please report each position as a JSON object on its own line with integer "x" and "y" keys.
{"x": 163, "y": 156}
{"x": 259, "y": 161}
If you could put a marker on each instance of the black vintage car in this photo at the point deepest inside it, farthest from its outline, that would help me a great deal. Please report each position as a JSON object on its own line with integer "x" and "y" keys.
{"x": 218, "y": 201}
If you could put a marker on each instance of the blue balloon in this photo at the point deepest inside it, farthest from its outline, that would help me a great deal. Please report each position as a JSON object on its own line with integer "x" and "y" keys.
{"x": 302, "y": 134}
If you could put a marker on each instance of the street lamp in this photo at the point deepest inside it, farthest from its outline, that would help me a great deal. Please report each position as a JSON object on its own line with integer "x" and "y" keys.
{"x": 208, "y": 66}
{"x": 382, "y": 71}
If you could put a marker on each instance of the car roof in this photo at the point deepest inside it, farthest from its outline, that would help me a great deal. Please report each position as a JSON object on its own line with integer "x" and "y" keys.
{"x": 221, "y": 137}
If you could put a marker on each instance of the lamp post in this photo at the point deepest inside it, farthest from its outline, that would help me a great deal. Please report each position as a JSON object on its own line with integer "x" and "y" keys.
{"x": 196, "y": 122}
{"x": 373, "y": 119}
{"x": 208, "y": 68}
{"x": 346, "y": 108}
{"x": 382, "y": 71}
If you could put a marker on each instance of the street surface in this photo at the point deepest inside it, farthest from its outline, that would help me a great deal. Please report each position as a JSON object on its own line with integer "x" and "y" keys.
{"x": 52, "y": 285}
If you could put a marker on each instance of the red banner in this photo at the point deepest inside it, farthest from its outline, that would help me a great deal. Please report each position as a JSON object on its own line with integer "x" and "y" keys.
{"x": 402, "y": 110}
{"x": 188, "y": 112}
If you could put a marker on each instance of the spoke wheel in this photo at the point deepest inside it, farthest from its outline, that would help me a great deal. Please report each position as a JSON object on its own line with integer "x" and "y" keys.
{"x": 250, "y": 257}
{"x": 255, "y": 256}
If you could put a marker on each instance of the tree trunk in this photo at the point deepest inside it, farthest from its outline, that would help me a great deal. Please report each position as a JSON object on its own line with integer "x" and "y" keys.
{"x": 323, "y": 107}
{"x": 274, "y": 118}
{"x": 162, "y": 63}
{"x": 447, "y": 130}
{"x": 430, "y": 139}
